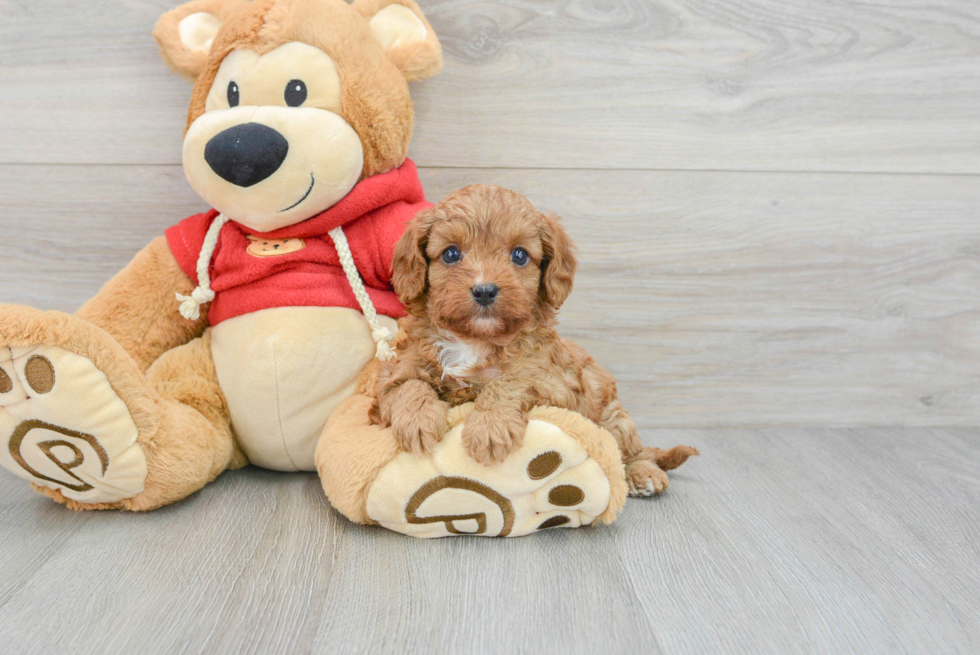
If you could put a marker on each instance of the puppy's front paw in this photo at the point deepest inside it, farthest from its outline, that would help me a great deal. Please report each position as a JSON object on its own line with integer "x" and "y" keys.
{"x": 488, "y": 437}
{"x": 418, "y": 418}
{"x": 421, "y": 430}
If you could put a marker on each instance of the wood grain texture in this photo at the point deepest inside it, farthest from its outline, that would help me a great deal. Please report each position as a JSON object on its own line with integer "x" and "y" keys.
{"x": 642, "y": 84}
{"x": 716, "y": 299}
{"x": 779, "y": 540}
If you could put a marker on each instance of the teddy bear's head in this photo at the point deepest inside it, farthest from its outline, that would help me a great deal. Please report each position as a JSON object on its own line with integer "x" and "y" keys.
{"x": 295, "y": 101}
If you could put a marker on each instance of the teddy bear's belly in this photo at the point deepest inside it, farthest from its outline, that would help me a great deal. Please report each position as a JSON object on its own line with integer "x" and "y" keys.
{"x": 283, "y": 371}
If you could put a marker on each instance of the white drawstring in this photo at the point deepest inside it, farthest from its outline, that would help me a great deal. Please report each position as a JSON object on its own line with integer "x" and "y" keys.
{"x": 190, "y": 306}
{"x": 381, "y": 335}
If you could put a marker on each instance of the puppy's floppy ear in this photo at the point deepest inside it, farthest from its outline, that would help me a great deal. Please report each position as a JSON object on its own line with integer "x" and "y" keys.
{"x": 410, "y": 265}
{"x": 559, "y": 262}
{"x": 405, "y": 34}
{"x": 185, "y": 34}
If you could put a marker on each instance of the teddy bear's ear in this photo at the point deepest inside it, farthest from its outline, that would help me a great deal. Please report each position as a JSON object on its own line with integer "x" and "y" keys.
{"x": 405, "y": 34}
{"x": 185, "y": 33}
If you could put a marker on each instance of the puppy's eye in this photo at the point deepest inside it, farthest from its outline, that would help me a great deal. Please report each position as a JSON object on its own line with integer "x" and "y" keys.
{"x": 519, "y": 256}
{"x": 233, "y": 95}
{"x": 295, "y": 93}
{"x": 451, "y": 255}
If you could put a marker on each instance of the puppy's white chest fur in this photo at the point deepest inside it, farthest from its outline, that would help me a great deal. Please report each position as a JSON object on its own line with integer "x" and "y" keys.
{"x": 460, "y": 359}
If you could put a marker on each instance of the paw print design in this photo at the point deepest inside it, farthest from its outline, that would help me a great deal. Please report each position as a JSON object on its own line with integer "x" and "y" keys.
{"x": 551, "y": 481}
{"x": 62, "y": 426}
{"x": 273, "y": 247}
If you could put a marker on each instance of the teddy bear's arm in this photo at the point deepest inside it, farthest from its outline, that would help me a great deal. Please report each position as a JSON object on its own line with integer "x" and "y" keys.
{"x": 138, "y": 306}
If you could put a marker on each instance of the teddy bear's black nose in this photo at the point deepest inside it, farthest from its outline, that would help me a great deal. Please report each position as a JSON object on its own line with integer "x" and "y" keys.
{"x": 485, "y": 294}
{"x": 246, "y": 154}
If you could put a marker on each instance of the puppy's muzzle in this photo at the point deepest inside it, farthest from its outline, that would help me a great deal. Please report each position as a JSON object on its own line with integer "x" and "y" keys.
{"x": 485, "y": 294}
{"x": 246, "y": 154}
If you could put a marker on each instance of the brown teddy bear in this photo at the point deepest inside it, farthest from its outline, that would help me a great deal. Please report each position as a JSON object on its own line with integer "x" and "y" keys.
{"x": 234, "y": 338}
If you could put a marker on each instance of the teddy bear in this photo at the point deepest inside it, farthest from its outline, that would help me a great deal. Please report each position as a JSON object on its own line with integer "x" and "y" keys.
{"x": 239, "y": 335}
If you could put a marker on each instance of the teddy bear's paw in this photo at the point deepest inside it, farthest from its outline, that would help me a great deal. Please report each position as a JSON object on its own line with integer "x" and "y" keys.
{"x": 550, "y": 481}
{"x": 62, "y": 426}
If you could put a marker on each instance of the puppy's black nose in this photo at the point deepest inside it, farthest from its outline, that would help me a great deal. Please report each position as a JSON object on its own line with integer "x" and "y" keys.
{"x": 246, "y": 154}
{"x": 485, "y": 294}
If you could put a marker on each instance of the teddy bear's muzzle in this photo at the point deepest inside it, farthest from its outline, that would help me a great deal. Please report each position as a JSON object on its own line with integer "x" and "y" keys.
{"x": 236, "y": 159}
{"x": 246, "y": 154}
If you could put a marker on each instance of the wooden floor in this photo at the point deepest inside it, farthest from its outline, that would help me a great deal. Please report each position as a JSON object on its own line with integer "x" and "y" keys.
{"x": 777, "y": 540}
{"x": 777, "y": 205}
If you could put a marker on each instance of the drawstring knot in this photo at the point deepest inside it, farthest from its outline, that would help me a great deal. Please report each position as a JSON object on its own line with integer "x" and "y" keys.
{"x": 190, "y": 306}
{"x": 381, "y": 335}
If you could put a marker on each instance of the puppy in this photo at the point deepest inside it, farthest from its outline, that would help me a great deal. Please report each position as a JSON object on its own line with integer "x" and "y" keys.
{"x": 482, "y": 275}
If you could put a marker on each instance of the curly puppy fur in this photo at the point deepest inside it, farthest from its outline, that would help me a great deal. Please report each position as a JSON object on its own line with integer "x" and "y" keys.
{"x": 504, "y": 354}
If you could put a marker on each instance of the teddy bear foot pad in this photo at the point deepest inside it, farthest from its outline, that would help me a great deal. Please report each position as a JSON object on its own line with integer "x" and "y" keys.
{"x": 62, "y": 426}
{"x": 550, "y": 481}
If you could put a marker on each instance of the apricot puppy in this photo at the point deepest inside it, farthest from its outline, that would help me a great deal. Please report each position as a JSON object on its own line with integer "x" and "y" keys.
{"x": 482, "y": 275}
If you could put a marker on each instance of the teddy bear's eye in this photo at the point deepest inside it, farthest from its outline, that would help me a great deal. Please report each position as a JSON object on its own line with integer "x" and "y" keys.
{"x": 233, "y": 97}
{"x": 451, "y": 255}
{"x": 519, "y": 256}
{"x": 295, "y": 93}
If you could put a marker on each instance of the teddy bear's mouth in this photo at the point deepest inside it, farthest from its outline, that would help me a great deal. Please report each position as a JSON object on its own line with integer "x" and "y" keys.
{"x": 305, "y": 196}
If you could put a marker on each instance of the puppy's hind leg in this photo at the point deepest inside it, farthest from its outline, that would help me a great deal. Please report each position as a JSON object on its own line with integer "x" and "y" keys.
{"x": 645, "y": 478}
{"x": 646, "y": 471}
{"x": 645, "y": 466}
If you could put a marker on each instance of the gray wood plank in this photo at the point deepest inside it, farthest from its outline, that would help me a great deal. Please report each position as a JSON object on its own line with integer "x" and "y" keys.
{"x": 820, "y": 537}
{"x": 652, "y": 84}
{"x": 777, "y": 540}
{"x": 717, "y": 299}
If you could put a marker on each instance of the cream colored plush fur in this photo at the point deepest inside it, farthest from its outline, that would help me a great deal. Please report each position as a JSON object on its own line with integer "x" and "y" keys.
{"x": 369, "y": 479}
{"x": 256, "y": 358}
{"x": 177, "y": 406}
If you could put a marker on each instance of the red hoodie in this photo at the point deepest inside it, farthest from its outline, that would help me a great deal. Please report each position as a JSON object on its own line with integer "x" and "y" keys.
{"x": 248, "y": 275}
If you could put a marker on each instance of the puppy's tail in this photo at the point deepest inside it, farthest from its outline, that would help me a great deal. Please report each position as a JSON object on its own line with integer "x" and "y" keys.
{"x": 667, "y": 459}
